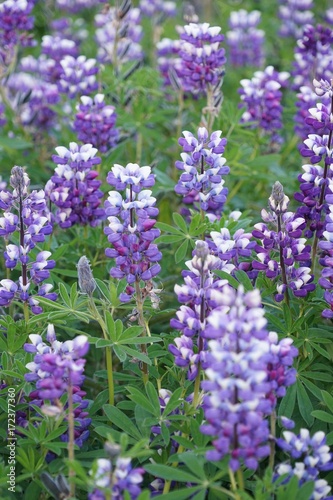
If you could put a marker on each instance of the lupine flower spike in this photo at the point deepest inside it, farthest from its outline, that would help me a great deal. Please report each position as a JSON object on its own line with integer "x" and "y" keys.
{"x": 242, "y": 386}
{"x": 26, "y": 215}
{"x": 282, "y": 252}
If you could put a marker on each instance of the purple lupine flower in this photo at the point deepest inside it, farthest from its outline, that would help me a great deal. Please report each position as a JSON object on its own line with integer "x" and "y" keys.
{"x": 198, "y": 294}
{"x": 329, "y": 16}
{"x": 232, "y": 248}
{"x": 282, "y": 252}
{"x": 202, "y": 58}
{"x": 169, "y": 63}
{"x": 309, "y": 456}
{"x": 313, "y": 59}
{"x": 118, "y": 35}
{"x": 261, "y": 97}
{"x": 15, "y": 23}
{"x": 55, "y": 48}
{"x": 26, "y": 214}
{"x": 313, "y": 55}
{"x": 95, "y": 122}
{"x": 74, "y": 187}
{"x": 326, "y": 259}
{"x": 56, "y": 366}
{"x": 157, "y": 7}
{"x": 78, "y": 76}
{"x": 33, "y": 99}
{"x": 294, "y": 14}
{"x": 315, "y": 182}
{"x": 3, "y": 119}
{"x": 201, "y": 183}
{"x": 131, "y": 228}
{"x": 119, "y": 479}
{"x": 75, "y": 6}
{"x": 241, "y": 367}
{"x": 70, "y": 29}
{"x": 245, "y": 41}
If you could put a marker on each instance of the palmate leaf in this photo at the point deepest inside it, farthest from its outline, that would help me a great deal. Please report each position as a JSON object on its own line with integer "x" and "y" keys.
{"x": 304, "y": 403}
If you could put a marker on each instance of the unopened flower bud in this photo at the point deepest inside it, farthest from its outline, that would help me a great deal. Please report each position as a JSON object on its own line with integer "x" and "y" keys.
{"x": 278, "y": 201}
{"x": 19, "y": 180}
{"x": 87, "y": 283}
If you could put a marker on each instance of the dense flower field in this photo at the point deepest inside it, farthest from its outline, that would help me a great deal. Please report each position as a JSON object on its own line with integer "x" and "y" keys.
{"x": 166, "y": 263}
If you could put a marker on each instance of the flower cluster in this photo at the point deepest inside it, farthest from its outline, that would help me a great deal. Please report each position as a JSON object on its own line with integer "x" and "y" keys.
{"x": 315, "y": 182}
{"x": 95, "y": 123}
{"x": 25, "y": 215}
{"x": 58, "y": 366}
{"x": 314, "y": 456}
{"x": 261, "y": 96}
{"x": 33, "y": 99}
{"x": 241, "y": 370}
{"x": 15, "y": 22}
{"x": 131, "y": 226}
{"x": 78, "y": 76}
{"x": 245, "y": 41}
{"x": 202, "y": 58}
{"x": 201, "y": 183}
{"x": 295, "y": 14}
{"x": 74, "y": 6}
{"x": 233, "y": 248}
{"x": 118, "y": 35}
{"x": 3, "y": 119}
{"x": 198, "y": 294}
{"x": 118, "y": 479}
{"x": 282, "y": 252}
{"x": 155, "y": 7}
{"x": 313, "y": 59}
{"x": 74, "y": 187}
{"x": 169, "y": 63}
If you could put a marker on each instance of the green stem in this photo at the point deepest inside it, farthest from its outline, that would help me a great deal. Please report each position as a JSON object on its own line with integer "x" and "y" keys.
{"x": 108, "y": 352}
{"x": 142, "y": 322}
{"x": 71, "y": 437}
{"x": 233, "y": 484}
{"x": 272, "y": 443}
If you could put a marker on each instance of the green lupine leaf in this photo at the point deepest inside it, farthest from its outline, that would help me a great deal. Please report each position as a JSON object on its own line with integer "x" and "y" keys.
{"x": 323, "y": 416}
{"x": 181, "y": 251}
{"x": 304, "y": 404}
{"x": 288, "y": 402}
{"x": 328, "y": 400}
{"x": 171, "y": 473}
{"x": 121, "y": 420}
{"x": 179, "y": 221}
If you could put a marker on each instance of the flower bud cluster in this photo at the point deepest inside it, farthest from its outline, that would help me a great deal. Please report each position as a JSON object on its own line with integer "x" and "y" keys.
{"x": 25, "y": 218}
{"x": 201, "y": 183}
{"x": 131, "y": 230}
{"x": 95, "y": 123}
{"x": 245, "y": 41}
{"x": 261, "y": 97}
{"x": 74, "y": 187}
{"x": 242, "y": 383}
{"x": 309, "y": 456}
{"x": 56, "y": 367}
